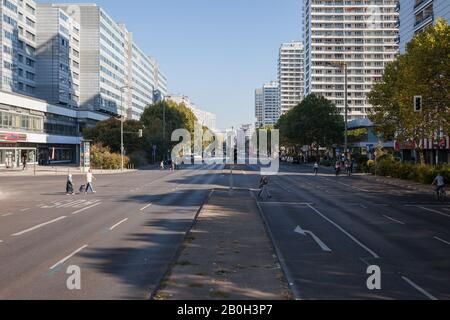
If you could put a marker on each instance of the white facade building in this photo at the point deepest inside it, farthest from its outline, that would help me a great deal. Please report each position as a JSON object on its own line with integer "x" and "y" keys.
{"x": 58, "y": 56}
{"x": 291, "y": 75}
{"x": 267, "y": 104}
{"x": 359, "y": 33}
{"x": 204, "y": 118}
{"x": 18, "y": 40}
{"x": 259, "y": 105}
{"x": 417, "y": 15}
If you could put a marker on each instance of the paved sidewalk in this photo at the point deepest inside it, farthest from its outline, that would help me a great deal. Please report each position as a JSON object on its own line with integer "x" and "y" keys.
{"x": 404, "y": 184}
{"x": 226, "y": 256}
{"x": 56, "y": 170}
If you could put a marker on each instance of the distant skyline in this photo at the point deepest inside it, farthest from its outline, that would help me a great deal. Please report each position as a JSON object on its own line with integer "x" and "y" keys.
{"x": 215, "y": 52}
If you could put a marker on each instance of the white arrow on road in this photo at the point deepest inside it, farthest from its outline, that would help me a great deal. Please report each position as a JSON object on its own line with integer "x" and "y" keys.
{"x": 322, "y": 245}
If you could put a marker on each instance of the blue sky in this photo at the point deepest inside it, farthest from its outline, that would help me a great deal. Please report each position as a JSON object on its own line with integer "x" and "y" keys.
{"x": 214, "y": 51}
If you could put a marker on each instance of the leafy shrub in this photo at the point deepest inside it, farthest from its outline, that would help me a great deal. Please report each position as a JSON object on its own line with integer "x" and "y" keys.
{"x": 103, "y": 158}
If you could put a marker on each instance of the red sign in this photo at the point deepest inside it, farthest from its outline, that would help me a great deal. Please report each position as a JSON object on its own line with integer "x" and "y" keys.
{"x": 14, "y": 137}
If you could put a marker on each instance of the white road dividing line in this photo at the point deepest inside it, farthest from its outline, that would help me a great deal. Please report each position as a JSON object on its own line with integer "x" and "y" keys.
{"x": 26, "y": 209}
{"x": 421, "y": 290}
{"x": 345, "y": 232}
{"x": 87, "y": 208}
{"x": 7, "y": 214}
{"x": 142, "y": 209}
{"x": 442, "y": 240}
{"x": 71, "y": 203}
{"x": 434, "y": 211}
{"x": 68, "y": 257}
{"x": 38, "y": 226}
{"x": 394, "y": 220}
{"x": 118, "y": 224}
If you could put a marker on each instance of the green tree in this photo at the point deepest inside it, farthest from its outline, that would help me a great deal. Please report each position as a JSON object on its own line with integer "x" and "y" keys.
{"x": 107, "y": 133}
{"x": 315, "y": 122}
{"x": 159, "y": 132}
{"x": 423, "y": 70}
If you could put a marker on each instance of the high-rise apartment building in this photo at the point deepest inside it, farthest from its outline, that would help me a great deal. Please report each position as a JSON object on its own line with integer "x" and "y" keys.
{"x": 141, "y": 80}
{"x": 359, "y": 33}
{"x": 103, "y": 73}
{"x": 18, "y": 40}
{"x": 271, "y": 107}
{"x": 417, "y": 15}
{"x": 259, "y": 105}
{"x": 58, "y": 56}
{"x": 290, "y": 75}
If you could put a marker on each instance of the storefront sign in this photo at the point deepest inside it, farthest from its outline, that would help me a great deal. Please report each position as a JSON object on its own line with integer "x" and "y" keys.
{"x": 13, "y": 137}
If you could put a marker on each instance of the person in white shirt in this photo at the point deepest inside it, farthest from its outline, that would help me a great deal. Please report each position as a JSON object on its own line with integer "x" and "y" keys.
{"x": 439, "y": 182}
{"x": 89, "y": 185}
{"x": 316, "y": 168}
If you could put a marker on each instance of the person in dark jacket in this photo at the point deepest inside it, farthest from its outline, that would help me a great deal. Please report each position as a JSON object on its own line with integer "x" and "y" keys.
{"x": 69, "y": 185}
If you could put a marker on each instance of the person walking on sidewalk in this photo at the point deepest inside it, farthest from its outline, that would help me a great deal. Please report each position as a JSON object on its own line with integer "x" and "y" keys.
{"x": 263, "y": 185}
{"x": 24, "y": 163}
{"x": 162, "y": 164}
{"x": 89, "y": 185}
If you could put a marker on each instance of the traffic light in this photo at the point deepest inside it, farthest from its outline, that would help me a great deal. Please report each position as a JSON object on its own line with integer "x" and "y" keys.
{"x": 418, "y": 105}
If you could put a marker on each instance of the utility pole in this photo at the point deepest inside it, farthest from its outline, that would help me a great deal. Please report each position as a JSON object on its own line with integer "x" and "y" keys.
{"x": 343, "y": 65}
{"x": 122, "y": 119}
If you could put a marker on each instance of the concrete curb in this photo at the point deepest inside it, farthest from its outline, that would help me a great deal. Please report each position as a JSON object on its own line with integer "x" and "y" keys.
{"x": 295, "y": 291}
{"x": 179, "y": 250}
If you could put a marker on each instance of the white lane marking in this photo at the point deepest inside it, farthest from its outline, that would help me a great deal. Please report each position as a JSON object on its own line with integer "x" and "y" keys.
{"x": 321, "y": 244}
{"x": 434, "y": 211}
{"x": 345, "y": 232}
{"x": 7, "y": 214}
{"x": 38, "y": 226}
{"x": 118, "y": 224}
{"x": 442, "y": 240}
{"x": 87, "y": 208}
{"x": 1, "y": 241}
{"x": 395, "y": 220}
{"x": 26, "y": 209}
{"x": 68, "y": 257}
{"x": 71, "y": 204}
{"x": 142, "y": 209}
{"x": 421, "y": 290}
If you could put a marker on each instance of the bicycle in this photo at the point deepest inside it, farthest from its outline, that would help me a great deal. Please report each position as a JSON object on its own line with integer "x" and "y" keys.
{"x": 441, "y": 194}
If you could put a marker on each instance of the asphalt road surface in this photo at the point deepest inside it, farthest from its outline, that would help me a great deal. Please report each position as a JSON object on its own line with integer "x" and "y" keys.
{"x": 122, "y": 238}
{"x": 327, "y": 230}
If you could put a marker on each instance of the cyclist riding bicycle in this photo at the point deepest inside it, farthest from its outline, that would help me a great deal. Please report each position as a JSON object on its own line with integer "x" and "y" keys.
{"x": 439, "y": 182}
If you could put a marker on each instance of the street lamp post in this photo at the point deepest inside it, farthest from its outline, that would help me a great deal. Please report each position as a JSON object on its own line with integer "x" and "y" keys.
{"x": 343, "y": 65}
{"x": 122, "y": 147}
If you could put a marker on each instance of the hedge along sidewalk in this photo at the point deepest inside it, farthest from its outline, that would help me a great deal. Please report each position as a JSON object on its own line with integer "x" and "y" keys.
{"x": 226, "y": 256}
{"x": 396, "y": 182}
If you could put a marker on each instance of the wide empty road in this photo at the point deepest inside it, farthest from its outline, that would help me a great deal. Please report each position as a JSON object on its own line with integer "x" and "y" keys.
{"x": 329, "y": 229}
{"x": 122, "y": 238}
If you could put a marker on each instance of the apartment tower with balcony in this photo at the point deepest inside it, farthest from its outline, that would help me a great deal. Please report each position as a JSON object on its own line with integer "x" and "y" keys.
{"x": 417, "y": 15}
{"x": 290, "y": 75}
{"x": 18, "y": 40}
{"x": 58, "y": 56}
{"x": 359, "y": 33}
